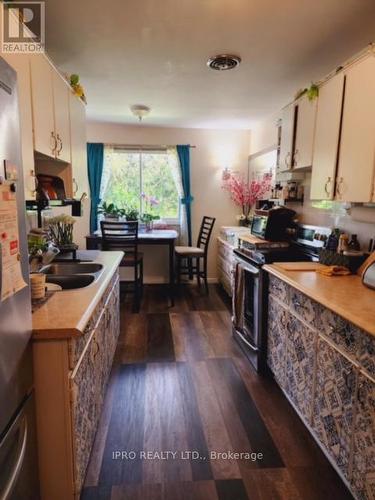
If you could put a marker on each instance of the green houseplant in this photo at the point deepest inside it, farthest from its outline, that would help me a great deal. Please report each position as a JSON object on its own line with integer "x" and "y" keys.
{"x": 110, "y": 210}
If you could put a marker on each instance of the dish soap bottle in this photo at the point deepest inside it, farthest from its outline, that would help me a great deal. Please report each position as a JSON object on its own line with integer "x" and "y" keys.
{"x": 354, "y": 243}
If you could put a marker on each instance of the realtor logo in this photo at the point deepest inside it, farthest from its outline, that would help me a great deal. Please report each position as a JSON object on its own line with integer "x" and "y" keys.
{"x": 23, "y": 29}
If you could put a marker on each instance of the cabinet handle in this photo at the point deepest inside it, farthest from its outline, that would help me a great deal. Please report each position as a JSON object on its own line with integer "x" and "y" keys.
{"x": 35, "y": 180}
{"x": 347, "y": 379}
{"x": 298, "y": 304}
{"x": 287, "y": 164}
{"x": 328, "y": 191}
{"x": 340, "y": 182}
{"x": 59, "y": 141}
{"x": 295, "y": 156}
{"x": 75, "y": 187}
{"x": 54, "y": 145}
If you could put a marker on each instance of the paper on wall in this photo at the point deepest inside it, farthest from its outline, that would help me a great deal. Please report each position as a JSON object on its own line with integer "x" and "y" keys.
{"x": 11, "y": 272}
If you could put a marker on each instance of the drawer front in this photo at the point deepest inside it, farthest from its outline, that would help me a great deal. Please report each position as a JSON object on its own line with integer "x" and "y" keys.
{"x": 279, "y": 289}
{"x": 225, "y": 266}
{"x": 77, "y": 345}
{"x": 225, "y": 252}
{"x": 363, "y": 477}
{"x": 366, "y": 356}
{"x": 340, "y": 332}
{"x": 278, "y": 319}
{"x": 300, "y": 365}
{"x": 306, "y": 308}
{"x": 336, "y": 380}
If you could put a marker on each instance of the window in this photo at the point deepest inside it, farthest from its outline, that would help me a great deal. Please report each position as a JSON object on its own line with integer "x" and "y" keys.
{"x": 129, "y": 173}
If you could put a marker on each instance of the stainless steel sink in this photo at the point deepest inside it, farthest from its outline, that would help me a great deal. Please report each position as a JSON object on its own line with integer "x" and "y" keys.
{"x": 69, "y": 268}
{"x": 72, "y": 281}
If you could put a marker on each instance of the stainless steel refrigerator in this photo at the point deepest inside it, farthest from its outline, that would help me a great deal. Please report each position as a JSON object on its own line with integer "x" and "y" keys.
{"x": 18, "y": 447}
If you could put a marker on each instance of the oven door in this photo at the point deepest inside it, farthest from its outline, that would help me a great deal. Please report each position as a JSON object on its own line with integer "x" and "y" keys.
{"x": 247, "y": 304}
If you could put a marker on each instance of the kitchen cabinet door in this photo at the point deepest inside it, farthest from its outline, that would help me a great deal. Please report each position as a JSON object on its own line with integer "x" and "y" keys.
{"x": 363, "y": 477}
{"x": 287, "y": 138}
{"x": 300, "y": 359}
{"x": 355, "y": 176}
{"x": 334, "y": 402}
{"x": 62, "y": 124}
{"x": 327, "y": 136}
{"x": 42, "y": 106}
{"x": 78, "y": 145}
{"x": 305, "y": 131}
{"x": 278, "y": 318}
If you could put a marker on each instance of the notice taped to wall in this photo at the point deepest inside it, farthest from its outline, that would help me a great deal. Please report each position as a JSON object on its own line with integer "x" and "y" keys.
{"x": 10, "y": 265}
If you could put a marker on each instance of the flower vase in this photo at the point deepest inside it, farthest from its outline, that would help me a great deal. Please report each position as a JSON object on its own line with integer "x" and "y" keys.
{"x": 149, "y": 226}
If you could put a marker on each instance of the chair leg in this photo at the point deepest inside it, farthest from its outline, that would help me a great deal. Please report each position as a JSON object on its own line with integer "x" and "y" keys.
{"x": 205, "y": 274}
{"x": 198, "y": 271}
{"x": 141, "y": 277}
{"x": 190, "y": 268}
{"x": 178, "y": 268}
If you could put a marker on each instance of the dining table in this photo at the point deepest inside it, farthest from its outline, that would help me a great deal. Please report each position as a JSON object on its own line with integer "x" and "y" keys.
{"x": 165, "y": 237}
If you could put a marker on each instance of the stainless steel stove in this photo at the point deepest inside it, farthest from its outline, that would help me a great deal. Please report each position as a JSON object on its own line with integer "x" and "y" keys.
{"x": 250, "y": 294}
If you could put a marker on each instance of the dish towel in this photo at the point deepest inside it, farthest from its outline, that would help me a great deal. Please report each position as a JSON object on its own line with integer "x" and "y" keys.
{"x": 238, "y": 298}
{"x": 333, "y": 271}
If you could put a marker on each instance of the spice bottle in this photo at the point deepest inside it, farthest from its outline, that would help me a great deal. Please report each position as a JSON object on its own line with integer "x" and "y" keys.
{"x": 354, "y": 243}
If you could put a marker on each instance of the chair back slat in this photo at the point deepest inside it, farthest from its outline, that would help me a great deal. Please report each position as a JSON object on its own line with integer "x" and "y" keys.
{"x": 120, "y": 235}
{"x": 205, "y": 232}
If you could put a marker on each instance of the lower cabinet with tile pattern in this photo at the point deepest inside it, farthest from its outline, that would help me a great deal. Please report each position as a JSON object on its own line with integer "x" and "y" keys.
{"x": 325, "y": 366}
{"x": 69, "y": 399}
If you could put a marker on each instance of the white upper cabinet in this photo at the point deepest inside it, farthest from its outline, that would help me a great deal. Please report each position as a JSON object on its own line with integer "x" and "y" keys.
{"x": 355, "y": 176}
{"x": 61, "y": 110}
{"x": 305, "y": 129}
{"x": 78, "y": 146}
{"x": 42, "y": 106}
{"x": 287, "y": 136}
{"x": 327, "y": 137}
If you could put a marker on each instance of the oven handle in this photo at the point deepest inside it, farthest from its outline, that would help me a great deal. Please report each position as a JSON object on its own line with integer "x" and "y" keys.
{"x": 252, "y": 347}
{"x": 247, "y": 267}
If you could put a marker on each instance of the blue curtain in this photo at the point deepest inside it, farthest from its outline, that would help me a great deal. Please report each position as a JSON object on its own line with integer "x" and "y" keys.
{"x": 184, "y": 157}
{"x": 95, "y": 156}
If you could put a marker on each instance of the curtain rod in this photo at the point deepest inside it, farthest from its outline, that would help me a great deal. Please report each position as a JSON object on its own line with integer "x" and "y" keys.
{"x": 156, "y": 147}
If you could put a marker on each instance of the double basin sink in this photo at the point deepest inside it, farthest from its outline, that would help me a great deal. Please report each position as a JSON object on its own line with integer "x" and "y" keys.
{"x": 71, "y": 275}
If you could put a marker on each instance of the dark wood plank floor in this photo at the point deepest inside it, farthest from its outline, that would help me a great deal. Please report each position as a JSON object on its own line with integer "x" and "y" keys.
{"x": 180, "y": 383}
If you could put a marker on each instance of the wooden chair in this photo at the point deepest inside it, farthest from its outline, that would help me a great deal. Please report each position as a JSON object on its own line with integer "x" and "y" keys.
{"x": 124, "y": 236}
{"x": 198, "y": 253}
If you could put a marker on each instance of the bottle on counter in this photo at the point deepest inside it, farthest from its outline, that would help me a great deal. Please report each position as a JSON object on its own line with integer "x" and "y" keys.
{"x": 292, "y": 190}
{"x": 343, "y": 245}
{"x": 354, "y": 243}
{"x": 333, "y": 240}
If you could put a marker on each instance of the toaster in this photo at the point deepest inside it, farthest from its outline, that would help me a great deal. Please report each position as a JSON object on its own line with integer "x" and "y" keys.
{"x": 369, "y": 276}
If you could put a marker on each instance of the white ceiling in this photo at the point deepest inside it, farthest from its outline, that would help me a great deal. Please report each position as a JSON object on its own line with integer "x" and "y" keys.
{"x": 154, "y": 52}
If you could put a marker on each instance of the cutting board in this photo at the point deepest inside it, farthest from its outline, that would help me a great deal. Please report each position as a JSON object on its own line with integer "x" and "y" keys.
{"x": 298, "y": 266}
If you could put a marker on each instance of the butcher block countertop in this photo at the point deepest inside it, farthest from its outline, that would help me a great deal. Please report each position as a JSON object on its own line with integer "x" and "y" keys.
{"x": 344, "y": 295}
{"x": 67, "y": 312}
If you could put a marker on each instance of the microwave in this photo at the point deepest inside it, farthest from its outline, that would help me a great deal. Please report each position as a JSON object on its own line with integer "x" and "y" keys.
{"x": 273, "y": 224}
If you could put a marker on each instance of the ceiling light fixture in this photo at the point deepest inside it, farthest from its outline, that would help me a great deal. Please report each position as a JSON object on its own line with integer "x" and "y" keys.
{"x": 223, "y": 62}
{"x": 140, "y": 111}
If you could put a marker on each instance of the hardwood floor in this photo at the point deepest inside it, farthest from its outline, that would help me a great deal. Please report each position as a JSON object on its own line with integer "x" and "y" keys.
{"x": 180, "y": 383}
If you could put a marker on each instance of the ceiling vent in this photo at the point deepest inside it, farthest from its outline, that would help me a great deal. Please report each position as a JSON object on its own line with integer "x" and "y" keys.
{"x": 223, "y": 62}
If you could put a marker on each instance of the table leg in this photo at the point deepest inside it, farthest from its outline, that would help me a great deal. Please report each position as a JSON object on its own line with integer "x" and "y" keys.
{"x": 171, "y": 272}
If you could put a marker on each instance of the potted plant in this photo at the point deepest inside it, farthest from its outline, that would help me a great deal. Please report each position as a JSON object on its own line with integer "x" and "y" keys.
{"x": 110, "y": 210}
{"x": 131, "y": 214}
{"x": 245, "y": 194}
{"x": 148, "y": 216}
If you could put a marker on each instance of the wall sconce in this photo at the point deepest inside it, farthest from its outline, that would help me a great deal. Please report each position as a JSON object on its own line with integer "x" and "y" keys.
{"x": 225, "y": 176}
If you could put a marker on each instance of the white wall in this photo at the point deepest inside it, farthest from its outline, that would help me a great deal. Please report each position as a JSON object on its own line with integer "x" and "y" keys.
{"x": 215, "y": 149}
{"x": 264, "y": 135}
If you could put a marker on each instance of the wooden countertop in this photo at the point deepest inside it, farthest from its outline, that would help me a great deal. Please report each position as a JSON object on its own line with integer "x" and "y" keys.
{"x": 344, "y": 295}
{"x": 67, "y": 313}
